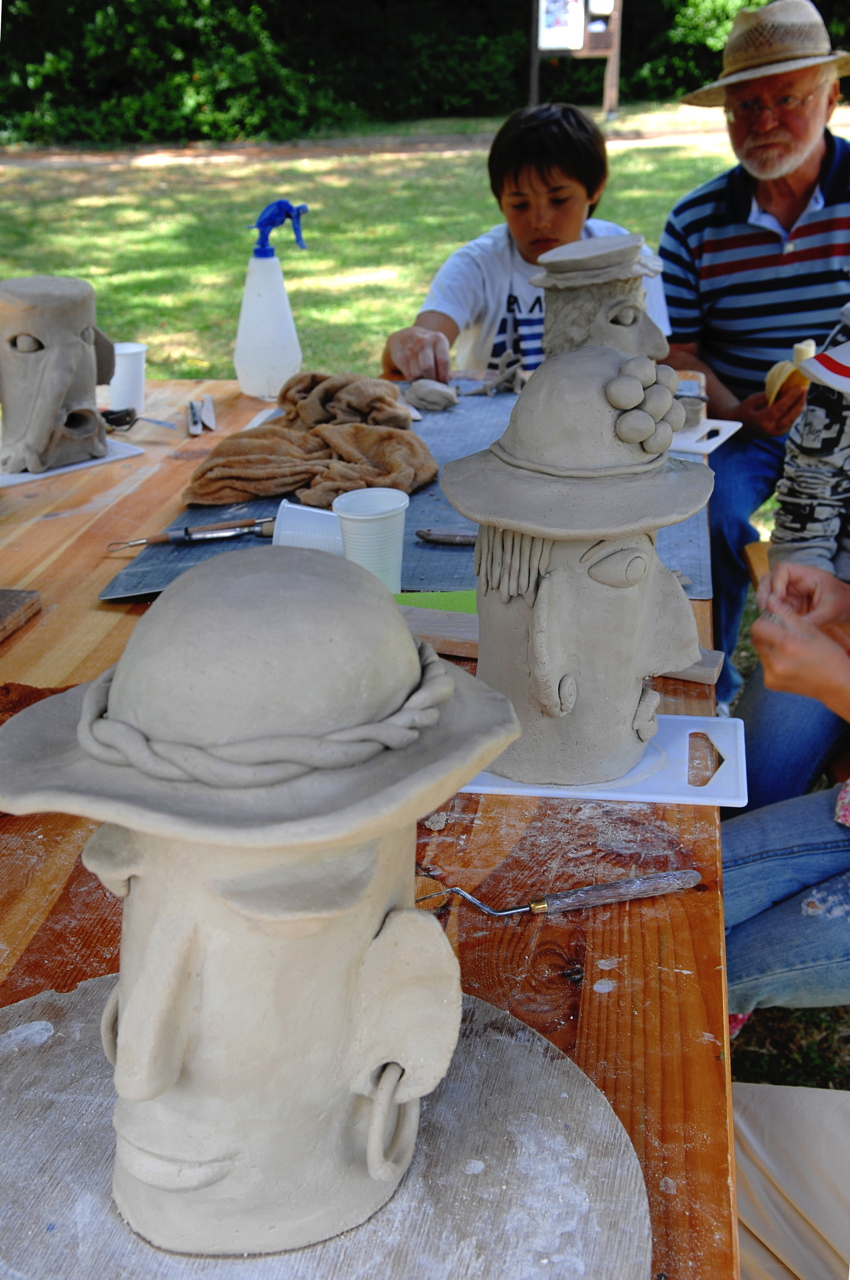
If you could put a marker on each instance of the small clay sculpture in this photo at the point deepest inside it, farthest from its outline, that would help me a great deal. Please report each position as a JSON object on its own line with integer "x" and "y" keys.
{"x": 260, "y": 755}
{"x": 575, "y": 608}
{"x": 595, "y": 297}
{"x": 430, "y": 396}
{"x": 52, "y": 355}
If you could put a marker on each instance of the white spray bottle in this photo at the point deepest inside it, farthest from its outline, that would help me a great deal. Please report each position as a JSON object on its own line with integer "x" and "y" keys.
{"x": 267, "y": 350}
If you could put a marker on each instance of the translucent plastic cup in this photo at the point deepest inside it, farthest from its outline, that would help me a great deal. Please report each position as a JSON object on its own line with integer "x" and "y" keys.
{"x": 127, "y": 388}
{"x": 372, "y": 524}
{"x": 297, "y": 526}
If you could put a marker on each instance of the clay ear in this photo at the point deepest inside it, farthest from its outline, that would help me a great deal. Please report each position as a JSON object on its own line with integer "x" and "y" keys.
{"x": 113, "y": 856}
{"x": 104, "y": 354}
{"x": 408, "y": 1006}
{"x": 303, "y": 893}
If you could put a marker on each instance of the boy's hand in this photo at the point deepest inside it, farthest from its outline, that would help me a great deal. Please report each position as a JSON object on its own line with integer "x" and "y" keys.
{"x": 807, "y": 592}
{"x": 798, "y": 657}
{"x": 417, "y": 353}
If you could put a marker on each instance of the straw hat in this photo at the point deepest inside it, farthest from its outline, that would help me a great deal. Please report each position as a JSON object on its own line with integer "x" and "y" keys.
{"x": 786, "y": 35}
{"x": 270, "y": 696}
{"x": 579, "y": 458}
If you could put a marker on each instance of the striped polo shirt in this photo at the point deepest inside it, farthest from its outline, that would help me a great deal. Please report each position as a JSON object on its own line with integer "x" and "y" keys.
{"x": 734, "y": 287}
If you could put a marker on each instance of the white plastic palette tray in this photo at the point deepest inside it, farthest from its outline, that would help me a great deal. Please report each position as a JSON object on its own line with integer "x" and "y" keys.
{"x": 705, "y": 437}
{"x": 661, "y": 777}
{"x": 116, "y": 451}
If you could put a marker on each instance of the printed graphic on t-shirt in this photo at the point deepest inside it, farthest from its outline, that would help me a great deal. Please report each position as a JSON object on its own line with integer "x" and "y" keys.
{"x": 521, "y": 333}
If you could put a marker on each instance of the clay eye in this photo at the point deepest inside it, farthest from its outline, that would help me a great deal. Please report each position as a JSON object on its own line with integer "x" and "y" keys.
{"x": 26, "y": 342}
{"x": 87, "y": 335}
{"x": 620, "y": 569}
{"x": 625, "y": 316}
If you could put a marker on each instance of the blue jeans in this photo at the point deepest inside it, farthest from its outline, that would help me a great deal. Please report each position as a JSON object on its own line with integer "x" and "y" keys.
{"x": 745, "y": 475}
{"x": 790, "y": 742}
{"x": 786, "y": 893}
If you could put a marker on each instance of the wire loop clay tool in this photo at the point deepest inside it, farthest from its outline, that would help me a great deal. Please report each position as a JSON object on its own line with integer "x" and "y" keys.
{"x": 588, "y": 895}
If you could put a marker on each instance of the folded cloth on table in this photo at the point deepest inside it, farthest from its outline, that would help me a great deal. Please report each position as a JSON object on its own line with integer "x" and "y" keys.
{"x": 315, "y": 450}
{"x": 313, "y": 398}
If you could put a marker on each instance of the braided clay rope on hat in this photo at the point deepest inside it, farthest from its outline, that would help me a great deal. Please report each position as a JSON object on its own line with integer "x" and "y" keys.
{"x": 260, "y": 762}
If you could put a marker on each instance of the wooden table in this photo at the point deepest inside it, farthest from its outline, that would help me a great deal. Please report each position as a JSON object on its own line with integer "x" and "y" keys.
{"x": 635, "y": 993}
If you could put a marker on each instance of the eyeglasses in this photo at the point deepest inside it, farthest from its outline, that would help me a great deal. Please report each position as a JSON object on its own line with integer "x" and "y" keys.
{"x": 749, "y": 109}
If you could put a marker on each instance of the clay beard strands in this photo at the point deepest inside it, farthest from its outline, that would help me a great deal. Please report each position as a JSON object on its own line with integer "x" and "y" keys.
{"x": 575, "y": 609}
{"x": 259, "y": 757}
{"x": 595, "y": 297}
{"x": 51, "y": 357}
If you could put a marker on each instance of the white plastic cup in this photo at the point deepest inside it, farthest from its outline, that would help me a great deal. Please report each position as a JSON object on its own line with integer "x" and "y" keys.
{"x": 372, "y": 525}
{"x": 127, "y": 388}
{"x": 297, "y": 526}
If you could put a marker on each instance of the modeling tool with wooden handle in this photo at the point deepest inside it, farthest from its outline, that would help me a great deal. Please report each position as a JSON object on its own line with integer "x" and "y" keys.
{"x": 589, "y": 895}
{"x": 203, "y": 533}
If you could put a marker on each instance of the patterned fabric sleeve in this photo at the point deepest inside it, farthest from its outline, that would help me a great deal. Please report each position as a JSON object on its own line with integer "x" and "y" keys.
{"x": 814, "y": 491}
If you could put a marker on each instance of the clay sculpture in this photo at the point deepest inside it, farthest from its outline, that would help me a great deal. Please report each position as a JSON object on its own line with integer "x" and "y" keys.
{"x": 52, "y": 356}
{"x": 575, "y": 608}
{"x": 259, "y": 756}
{"x": 595, "y": 297}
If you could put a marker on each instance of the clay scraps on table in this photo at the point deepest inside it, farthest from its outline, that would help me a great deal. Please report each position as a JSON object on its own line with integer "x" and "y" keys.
{"x": 333, "y": 434}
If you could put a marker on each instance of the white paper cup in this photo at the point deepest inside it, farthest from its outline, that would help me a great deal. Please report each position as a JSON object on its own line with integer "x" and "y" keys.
{"x": 372, "y": 524}
{"x": 127, "y": 388}
{"x": 297, "y": 526}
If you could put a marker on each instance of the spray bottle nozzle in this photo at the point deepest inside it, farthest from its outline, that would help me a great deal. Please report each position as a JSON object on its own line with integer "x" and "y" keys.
{"x": 275, "y": 215}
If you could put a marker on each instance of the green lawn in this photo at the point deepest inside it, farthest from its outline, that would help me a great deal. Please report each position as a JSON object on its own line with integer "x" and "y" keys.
{"x": 166, "y": 245}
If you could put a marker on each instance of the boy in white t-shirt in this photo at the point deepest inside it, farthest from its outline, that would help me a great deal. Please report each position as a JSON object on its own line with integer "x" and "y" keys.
{"x": 548, "y": 169}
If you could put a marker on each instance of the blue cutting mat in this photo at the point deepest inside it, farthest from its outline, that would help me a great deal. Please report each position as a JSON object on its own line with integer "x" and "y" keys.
{"x": 471, "y": 425}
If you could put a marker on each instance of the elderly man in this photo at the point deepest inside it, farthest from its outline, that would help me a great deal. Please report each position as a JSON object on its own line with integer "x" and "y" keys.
{"x": 756, "y": 260}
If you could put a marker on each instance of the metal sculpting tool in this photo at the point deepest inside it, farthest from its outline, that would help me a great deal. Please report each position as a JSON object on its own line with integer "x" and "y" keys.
{"x": 589, "y": 895}
{"x": 263, "y": 528}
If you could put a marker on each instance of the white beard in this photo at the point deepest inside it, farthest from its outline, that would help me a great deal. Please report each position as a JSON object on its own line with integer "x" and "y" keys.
{"x": 766, "y": 167}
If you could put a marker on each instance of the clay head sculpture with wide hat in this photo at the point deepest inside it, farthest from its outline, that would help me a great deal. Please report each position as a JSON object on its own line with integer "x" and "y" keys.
{"x": 574, "y": 606}
{"x": 784, "y": 36}
{"x": 259, "y": 756}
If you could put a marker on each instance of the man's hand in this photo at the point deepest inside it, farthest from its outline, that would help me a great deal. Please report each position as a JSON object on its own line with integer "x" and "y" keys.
{"x": 807, "y": 592}
{"x": 774, "y": 419}
{"x": 798, "y": 657}
{"x": 417, "y": 353}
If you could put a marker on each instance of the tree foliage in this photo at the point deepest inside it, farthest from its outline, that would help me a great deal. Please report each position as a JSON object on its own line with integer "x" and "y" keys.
{"x": 173, "y": 70}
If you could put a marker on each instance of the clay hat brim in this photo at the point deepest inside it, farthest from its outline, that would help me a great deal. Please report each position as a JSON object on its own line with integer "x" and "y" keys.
{"x": 43, "y": 768}
{"x": 714, "y": 94}
{"x": 489, "y": 491}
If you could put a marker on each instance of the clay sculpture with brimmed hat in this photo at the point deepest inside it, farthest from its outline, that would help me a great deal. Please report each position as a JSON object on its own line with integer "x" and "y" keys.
{"x": 786, "y": 35}
{"x": 575, "y": 608}
{"x": 595, "y": 297}
{"x": 259, "y": 756}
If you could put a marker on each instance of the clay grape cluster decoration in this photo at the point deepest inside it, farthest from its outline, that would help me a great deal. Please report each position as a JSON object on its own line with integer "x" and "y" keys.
{"x": 645, "y": 391}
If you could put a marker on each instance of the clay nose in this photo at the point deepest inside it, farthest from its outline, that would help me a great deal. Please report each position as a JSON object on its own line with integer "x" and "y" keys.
{"x": 655, "y": 345}
{"x": 154, "y": 1013}
{"x": 80, "y": 423}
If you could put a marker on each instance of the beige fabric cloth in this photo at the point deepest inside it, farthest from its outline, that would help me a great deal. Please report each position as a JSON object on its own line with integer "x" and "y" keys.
{"x": 792, "y": 1151}
{"x": 333, "y": 435}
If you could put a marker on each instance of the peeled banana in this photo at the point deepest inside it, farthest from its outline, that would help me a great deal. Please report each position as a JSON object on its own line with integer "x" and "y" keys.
{"x": 785, "y": 375}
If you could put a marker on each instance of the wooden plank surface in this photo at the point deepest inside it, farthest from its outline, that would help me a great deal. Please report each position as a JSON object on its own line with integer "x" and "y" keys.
{"x": 633, "y": 992}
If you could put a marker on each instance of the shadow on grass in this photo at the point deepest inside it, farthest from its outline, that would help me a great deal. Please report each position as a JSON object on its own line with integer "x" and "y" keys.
{"x": 807, "y": 1047}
